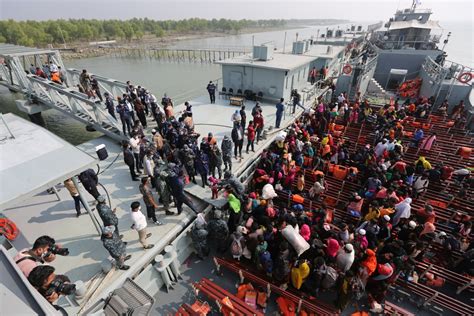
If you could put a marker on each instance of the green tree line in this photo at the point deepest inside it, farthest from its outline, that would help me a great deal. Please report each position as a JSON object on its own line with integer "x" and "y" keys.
{"x": 41, "y": 33}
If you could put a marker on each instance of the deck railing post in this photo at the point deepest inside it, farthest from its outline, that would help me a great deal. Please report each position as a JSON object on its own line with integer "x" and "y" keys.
{"x": 86, "y": 205}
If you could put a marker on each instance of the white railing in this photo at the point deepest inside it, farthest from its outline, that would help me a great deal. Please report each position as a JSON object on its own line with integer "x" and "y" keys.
{"x": 55, "y": 94}
{"x": 113, "y": 87}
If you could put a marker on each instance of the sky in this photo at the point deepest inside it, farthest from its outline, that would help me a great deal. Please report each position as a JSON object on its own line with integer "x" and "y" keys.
{"x": 354, "y": 10}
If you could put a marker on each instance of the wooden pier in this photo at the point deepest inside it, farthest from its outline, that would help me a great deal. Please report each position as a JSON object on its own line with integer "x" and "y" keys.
{"x": 179, "y": 55}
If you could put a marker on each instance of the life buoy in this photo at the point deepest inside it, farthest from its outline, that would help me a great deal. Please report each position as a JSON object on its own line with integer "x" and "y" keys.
{"x": 8, "y": 228}
{"x": 347, "y": 69}
{"x": 465, "y": 77}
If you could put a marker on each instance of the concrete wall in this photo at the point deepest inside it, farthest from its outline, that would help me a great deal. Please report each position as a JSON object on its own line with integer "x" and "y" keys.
{"x": 411, "y": 60}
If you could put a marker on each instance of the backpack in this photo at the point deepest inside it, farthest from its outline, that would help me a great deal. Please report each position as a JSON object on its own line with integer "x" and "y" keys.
{"x": 329, "y": 279}
{"x": 236, "y": 247}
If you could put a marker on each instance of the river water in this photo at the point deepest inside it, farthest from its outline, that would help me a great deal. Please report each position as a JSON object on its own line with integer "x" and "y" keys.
{"x": 184, "y": 81}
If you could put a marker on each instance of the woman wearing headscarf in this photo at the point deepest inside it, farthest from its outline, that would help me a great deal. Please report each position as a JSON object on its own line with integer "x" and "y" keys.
{"x": 305, "y": 232}
{"x": 428, "y": 142}
{"x": 368, "y": 265}
{"x": 345, "y": 291}
{"x": 332, "y": 247}
{"x": 402, "y": 210}
{"x": 299, "y": 273}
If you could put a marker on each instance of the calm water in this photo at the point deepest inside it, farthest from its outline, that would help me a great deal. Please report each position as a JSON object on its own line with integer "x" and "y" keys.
{"x": 180, "y": 81}
{"x": 183, "y": 81}
{"x": 275, "y": 37}
{"x": 459, "y": 47}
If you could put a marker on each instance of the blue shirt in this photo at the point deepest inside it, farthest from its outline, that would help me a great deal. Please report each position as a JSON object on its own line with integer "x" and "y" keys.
{"x": 280, "y": 108}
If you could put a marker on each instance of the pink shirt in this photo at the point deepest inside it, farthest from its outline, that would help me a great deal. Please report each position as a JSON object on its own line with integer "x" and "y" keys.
{"x": 26, "y": 265}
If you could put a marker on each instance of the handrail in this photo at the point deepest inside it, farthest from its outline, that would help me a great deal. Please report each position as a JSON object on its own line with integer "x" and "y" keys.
{"x": 99, "y": 78}
{"x": 99, "y": 115}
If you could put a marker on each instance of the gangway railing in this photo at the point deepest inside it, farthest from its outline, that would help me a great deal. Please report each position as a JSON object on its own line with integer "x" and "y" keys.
{"x": 113, "y": 87}
{"x": 73, "y": 102}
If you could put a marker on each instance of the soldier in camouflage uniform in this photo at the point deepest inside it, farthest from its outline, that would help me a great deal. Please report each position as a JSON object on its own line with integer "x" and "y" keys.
{"x": 199, "y": 237}
{"x": 237, "y": 186}
{"x": 115, "y": 246}
{"x": 160, "y": 174}
{"x": 226, "y": 148}
{"x": 215, "y": 161}
{"x": 187, "y": 157}
{"x": 107, "y": 214}
{"x": 218, "y": 230}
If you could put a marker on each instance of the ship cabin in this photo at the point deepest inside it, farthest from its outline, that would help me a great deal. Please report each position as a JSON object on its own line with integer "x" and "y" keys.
{"x": 272, "y": 74}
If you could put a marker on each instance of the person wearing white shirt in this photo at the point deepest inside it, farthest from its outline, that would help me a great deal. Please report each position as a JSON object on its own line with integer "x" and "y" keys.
{"x": 341, "y": 98}
{"x": 380, "y": 148}
{"x": 140, "y": 224}
{"x": 53, "y": 67}
{"x": 135, "y": 144}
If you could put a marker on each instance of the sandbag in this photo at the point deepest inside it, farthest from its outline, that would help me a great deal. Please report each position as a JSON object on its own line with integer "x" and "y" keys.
{"x": 268, "y": 192}
{"x": 296, "y": 240}
{"x": 280, "y": 136}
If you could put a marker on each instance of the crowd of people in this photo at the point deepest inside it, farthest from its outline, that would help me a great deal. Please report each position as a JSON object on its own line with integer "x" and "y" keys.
{"x": 383, "y": 234}
{"x": 382, "y": 238}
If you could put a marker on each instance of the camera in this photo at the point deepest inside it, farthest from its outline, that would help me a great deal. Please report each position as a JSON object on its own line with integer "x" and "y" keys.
{"x": 61, "y": 287}
{"x": 54, "y": 249}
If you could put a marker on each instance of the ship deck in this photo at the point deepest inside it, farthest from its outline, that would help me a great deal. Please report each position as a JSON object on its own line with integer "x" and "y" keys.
{"x": 43, "y": 214}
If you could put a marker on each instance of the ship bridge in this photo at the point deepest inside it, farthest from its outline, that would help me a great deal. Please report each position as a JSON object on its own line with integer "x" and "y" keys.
{"x": 43, "y": 94}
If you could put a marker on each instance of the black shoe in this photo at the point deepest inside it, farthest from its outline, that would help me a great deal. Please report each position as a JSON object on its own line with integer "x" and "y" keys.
{"x": 127, "y": 257}
{"x": 78, "y": 214}
{"x": 169, "y": 213}
{"x": 125, "y": 242}
{"x": 124, "y": 267}
{"x": 120, "y": 236}
{"x": 148, "y": 235}
{"x": 135, "y": 179}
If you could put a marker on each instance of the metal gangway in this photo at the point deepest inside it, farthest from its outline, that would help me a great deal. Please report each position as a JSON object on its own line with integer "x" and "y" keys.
{"x": 43, "y": 94}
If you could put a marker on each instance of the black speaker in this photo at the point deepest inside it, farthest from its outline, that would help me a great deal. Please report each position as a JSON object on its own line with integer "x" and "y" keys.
{"x": 101, "y": 152}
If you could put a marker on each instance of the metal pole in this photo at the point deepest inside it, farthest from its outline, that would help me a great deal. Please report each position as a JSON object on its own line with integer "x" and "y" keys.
{"x": 86, "y": 206}
{"x": 56, "y": 192}
{"x": 284, "y": 43}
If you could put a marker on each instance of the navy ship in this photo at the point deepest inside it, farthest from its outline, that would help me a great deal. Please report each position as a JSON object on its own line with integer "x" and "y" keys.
{"x": 170, "y": 279}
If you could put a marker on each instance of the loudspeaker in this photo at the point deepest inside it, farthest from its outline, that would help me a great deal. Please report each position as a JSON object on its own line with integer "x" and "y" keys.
{"x": 101, "y": 152}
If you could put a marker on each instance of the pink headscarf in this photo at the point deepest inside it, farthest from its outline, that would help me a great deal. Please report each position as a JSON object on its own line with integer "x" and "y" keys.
{"x": 305, "y": 232}
{"x": 332, "y": 247}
